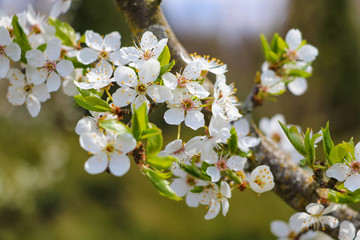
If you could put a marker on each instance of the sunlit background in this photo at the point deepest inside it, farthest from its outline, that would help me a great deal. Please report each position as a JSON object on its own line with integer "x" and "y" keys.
{"x": 46, "y": 194}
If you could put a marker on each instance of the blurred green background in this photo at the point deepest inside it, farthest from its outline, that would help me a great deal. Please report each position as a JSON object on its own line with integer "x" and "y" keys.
{"x": 46, "y": 194}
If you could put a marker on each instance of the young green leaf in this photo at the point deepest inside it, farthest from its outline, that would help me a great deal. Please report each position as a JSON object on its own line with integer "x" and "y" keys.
{"x": 328, "y": 144}
{"x": 295, "y": 138}
{"x": 233, "y": 141}
{"x": 92, "y": 103}
{"x": 164, "y": 57}
{"x": 273, "y": 44}
{"x": 20, "y": 38}
{"x": 197, "y": 189}
{"x": 341, "y": 152}
{"x": 265, "y": 46}
{"x": 161, "y": 163}
{"x": 139, "y": 121}
{"x": 167, "y": 68}
{"x": 63, "y": 31}
{"x": 162, "y": 185}
{"x": 113, "y": 125}
{"x": 299, "y": 73}
{"x": 194, "y": 171}
{"x": 310, "y": 149}
{"x": 154, "y": 142}
{"x": 343, "y": 198}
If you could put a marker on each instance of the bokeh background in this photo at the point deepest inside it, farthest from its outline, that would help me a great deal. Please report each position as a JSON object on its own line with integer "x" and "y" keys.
{"x": 46, "y": 194}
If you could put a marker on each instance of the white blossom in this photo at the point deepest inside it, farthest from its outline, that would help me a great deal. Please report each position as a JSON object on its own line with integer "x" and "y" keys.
{"x": 23, "y": 90}
{"x": 8, "y": 51}
{"x": 235, "y": 163}
{"x": 245, "y": 142}
{"x": 109, "y": 152}
{"x": 150, "y": 48}
{"x": 99, "y": 77}
{"x": 289, "y": 231}
{"x": 272, "y": 83}
{"x": 349, "y": 171}
{"x": 212, "y": 65}
{"x": 296, "y": 50}
{"x": 261, "y": 179}
{"x": 90, "y": 123}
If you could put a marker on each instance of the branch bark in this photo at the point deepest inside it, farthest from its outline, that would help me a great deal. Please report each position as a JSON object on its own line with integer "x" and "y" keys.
{"x": 295, "y": 186}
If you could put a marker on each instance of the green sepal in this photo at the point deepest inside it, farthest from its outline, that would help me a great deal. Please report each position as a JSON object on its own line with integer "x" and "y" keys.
{"x": 233, "y": 176}
{"x": 161, "y": 185}
{"x": 20, "y": 38}
{"x": 233, "y": 141}
{"x": 310, "y": 149}
{"x": 42, "y": 47}
{"x": 197, "y": 189}
{"x": 164, "y": 57}
{"x": 92, "y": 103}
{"x": 299, "y": 73}
{"x": 64, "y": 32}
{"x": 160, "y": 162}
{"x": 114, "y": 125}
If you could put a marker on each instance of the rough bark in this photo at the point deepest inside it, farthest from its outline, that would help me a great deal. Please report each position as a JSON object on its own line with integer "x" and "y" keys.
{"x": 295, "y": 186}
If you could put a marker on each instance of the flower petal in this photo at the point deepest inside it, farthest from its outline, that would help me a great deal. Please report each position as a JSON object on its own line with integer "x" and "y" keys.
{"x": 314, "y": 208}
{"x": 160, "y": 47}
{"x": 93, "y": 40}
{"x": 333, "y": 222}
{"x": 53, "y": 49}
{"x": 353, "y": 182}
{"x": 213, "y": 210}
{"x": 96, "y": 164}
{"x": 170, "y": 80}
{"x": 347, "y": 230}
{"x": 65, "y": 68}
{"x": 35, "y": 76}
{"x": 35, "y": 58}
{"x": 92, "y": 142}
{"x": 85, "y": 124}
{"x": 197, "y": 90}
{"x": 194, "y": 119}
{"x": 298, "y": 86}
{"x": 117, "y": 59}
{"x": 33, "y": 105}
{"x": 5, "y": 38}
{"x": 4, "y": 66}
{"x": 148, "y": 40}
{"x": 41, "y": 93}
{"x": 149, "y": 71}
{"x": 125, "y": 77}
{"x": 119, "y": 164}
{"x": 112, "y": 42}
{"x": 214, "y": 173}
{"x": 13, "y": 51}
{"x": 308, "y": 53}
{"x": 339, "y": 171}
{"x": 236, "y": 163}
{"x": 225, "y": 189}
{"x": 192, "y": 199}
{"x": 123, "y": 96}
{"x": 87, "y": 56}
{"x": 225, "y": 206}
{"x": 130, "y": 53}
{"x": 180, "y": 187}
{"x": 159, "y": 93}
{"x": 279, "y": 228}
{"x": 174, "y": 116}
{"x": 125, "y": 142}
{"x": 242, "y": 127}
{"x": 53, "y": 82}
{"x": 293, "y": 39}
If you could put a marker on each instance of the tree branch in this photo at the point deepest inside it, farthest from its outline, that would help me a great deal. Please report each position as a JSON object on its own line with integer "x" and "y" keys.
{"x": 296, "y": 187}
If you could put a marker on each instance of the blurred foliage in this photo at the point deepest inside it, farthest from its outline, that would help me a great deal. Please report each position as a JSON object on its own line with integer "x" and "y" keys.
{"x": 74, "y": 205}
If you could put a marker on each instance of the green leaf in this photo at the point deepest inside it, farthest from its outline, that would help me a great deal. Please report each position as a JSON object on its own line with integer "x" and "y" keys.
{"x": 233, "y": 141}
{"x": 167, "y": 68}
{"x": 347, "y": 197}
{"x": 328, "y": 143}
{"x": 194, "y": 171}
{"x": 273, "y": 57}
{"x": 75, "y": 62}
{"x": 88, "y": 92}
{"x": 154, "y": 142}
{"x": 164, "y": 57}
{"x": 162, "y": 185}
{"x": 92, "y": 103}
{"x": 234, "y": 177}
{"x": 310, "y": 149}
{"x": 42, "y": 47}
{"x": 150, "y": 132}
{"x": 265, "y": 46}
{"x": 273, "y": 44}
{"x": 20, "y": 38}
{"x": 114, "y": 125}
{"x": 139, "y": 121}
{"x": 281, "y": 44}
{"x": 197, "y": 189}
{"x": 161, "y": 163}
{"x": 341, "y": 152}
{"x": 63, "y": 31}
{"x": 299, "y": 73}
{"x": 295, "y": 138}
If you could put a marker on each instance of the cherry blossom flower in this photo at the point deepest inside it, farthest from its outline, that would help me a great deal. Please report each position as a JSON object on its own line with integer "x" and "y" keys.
{"x": 182, "y": 151}
{"x": 272, "y": 83}
{"x": 289, "y": 231}
{"x": 49, "y": 65}
{"x": 186, "y": 80}
{"x": 68, "y": 85}
{"x": 99, "y": 77}
{"x": 185, "y": 107}
{"x": 183, "y": 186}
{"x": 212, "y": 65}
{"x": 316, "y": 217}
{"x": 90, "y": 123}
{"x": 216, "y": 198}
{"x": 235, "y": 163}
{"x": 109, "y": 152}
{"x": 8, "y": 51}
{"x": 23, "y": 90}
{"x": 101, "y": 48}
{"x": 261, "y": 179}
{"x": 134, "y": 89}
{"x": 348, "y": 171}
{"x": 245, "y": 142}
{"x": 150, "y": 48}
{"x": 60, "y": 7}
{"x": 347, "y": 231}
{"x": 224, "y": 102}
{"x": 306, "y": 53}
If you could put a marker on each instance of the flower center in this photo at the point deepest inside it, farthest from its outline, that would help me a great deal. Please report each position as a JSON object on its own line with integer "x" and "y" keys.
{"x": 141, "y": 88}
{"x": 292, "y": 55}
{"x": 28, "y": 88}
{"x": 181, "y": 80}
{"x": 221, "y": 165}
{"x": 180, "y": 150}
{"x": 109, "y": 148}
{"x": 355, "y": 166}
{"x": 187, "y": 104}
{"x": 259, "y": 182}
{"x": 104, "y": 55}
{"x": 2, "y": 50}
{"x": 35, "y": 29}
{"x": 276, "y": 137}
{"x": 147, "y": 54}
{"x": 50, "y": 66}
{"x": 190, "y": 180}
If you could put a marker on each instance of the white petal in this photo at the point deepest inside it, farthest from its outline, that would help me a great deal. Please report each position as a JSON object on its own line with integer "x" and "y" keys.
{"x": 194, "y": 119}
{"x": 139, "y": 101}
{"x": 148, "y": 40}
{"x": 33, "y": 105}
{"x": 261, "y": 179}
{"x": 249, "y": 142}
{"x": 149, "y": 71}
{"x": 59, "y": 7}
{"x": 209, "y": 156}
{"x": 125, "y": 142}
{"x": 180, "y": 187}
{"x": 353, "y": 182}
{"x": 339, "y": 171}
{"x": 35, "y": 76}
{"x": 192, "y": 71}
{"x": 293, "y": 39}
{"x": 160, "y": 47}
{"x": 347, "y": 230}
{"x": 117, "y": 59}
{"x": 331, "y": 208}
{"x": 112, "y": 41}
{"x": 69, "y": 87}
{"x": 16, "y": 77}
{"x": 357, "y": 235}
{"x": 277, "y": 88}
{"x": 16, "y": 95}
{"x": 96, "y": 164}
{"x": 41, "y": 93}
{"x": 4, "y": 36}
{"x": 279, "y": 228}
{"x": 53, "y": 82}
{"x": 198, "y": 90}
{"x": 53, "y": 49}
{"x": 333, "y": 222}
{"x": 298, "y": 86}
{"x": 85, "y": 124}
{"x": 357, "y": 151}
{"x": 35, "y": 58}
{"x": 225, "y": 206}
{"x": 174, "y": 116}
{"x": 214, "y": 173}
{"x": 119, "y": 164}
{"x": 92, "y": 142}
{"x": 87, "y": 56}
{"x": 225, "y": 189}
{"x": 125, "y": 76}
{"x": 124, "y": 96}
{"x": 170, "y": 80}
{"x": 314, "y": 208}
{"x": 4, "y": 66}
{"x": 13, "y": 51}
{"x": 308, "y": 53}
{"x": 93, "y": 40}
{"x": 300, "y": 221}
{"x": 130, "y": 53}
{"x": 236, "y": 163}
{"x": 65, "y": 68}
{"x": 192, "y": 199}
{"x": 159, "y": 93}
{"x": 242, "y": 127}
{"x": 213, "y": 211}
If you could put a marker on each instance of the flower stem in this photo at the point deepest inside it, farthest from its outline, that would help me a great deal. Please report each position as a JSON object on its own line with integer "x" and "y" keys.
{"x": 107, "y": 92}
{"x": 179, "y": 130}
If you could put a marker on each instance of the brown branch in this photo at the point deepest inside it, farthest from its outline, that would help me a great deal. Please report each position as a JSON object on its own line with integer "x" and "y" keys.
{"x": 296, "y": 187}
